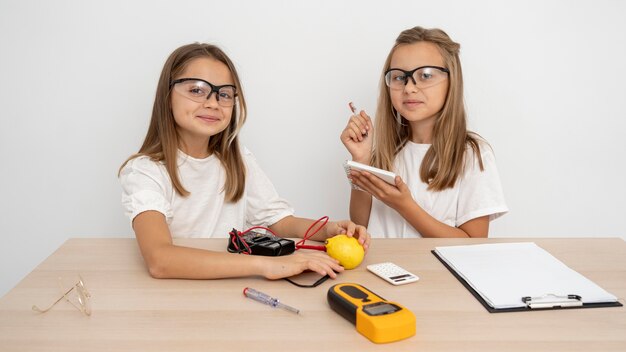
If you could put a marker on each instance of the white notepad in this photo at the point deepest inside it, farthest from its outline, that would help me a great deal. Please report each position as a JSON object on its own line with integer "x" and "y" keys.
{"x": 503, "y": 273}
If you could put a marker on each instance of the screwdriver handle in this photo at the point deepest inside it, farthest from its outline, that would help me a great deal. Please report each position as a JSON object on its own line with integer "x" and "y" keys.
{"x": 260, "y": 297}
{"x": 266, "y": 299}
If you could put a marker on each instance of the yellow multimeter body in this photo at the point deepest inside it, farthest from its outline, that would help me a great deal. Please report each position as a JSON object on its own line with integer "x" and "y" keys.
{"x": 379, "y": 320}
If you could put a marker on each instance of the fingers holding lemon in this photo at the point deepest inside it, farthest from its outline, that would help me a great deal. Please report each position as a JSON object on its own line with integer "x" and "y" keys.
{"x": 347, "y": 250}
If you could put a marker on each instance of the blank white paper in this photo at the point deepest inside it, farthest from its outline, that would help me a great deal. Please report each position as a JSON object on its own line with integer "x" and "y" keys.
{"x": 503, "y": 273}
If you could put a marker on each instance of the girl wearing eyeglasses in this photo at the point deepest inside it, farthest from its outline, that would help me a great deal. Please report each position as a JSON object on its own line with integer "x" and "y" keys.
{"x": 191, "y": 178}
{"x": 447, "y": 183}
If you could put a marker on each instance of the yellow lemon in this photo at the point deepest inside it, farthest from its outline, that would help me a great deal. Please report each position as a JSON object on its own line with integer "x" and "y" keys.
{"x": 347, "y": 250}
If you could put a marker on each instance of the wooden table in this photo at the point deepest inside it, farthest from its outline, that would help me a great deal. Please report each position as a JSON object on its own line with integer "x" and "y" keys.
{"x": 134, "y": 312}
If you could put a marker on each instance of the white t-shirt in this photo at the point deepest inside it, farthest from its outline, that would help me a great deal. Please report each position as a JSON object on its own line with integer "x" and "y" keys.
{"x": 146, "y": 185}
{"x": 475, "y": 194}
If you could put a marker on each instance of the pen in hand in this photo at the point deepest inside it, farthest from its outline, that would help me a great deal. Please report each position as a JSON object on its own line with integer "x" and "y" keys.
{"x": 355, "y": 111}
{"x": 266, "y": 299}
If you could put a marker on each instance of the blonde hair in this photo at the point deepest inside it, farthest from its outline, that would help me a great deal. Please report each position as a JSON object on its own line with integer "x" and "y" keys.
{"x": 445, "y": 159}
{"x": 162, "y": 139}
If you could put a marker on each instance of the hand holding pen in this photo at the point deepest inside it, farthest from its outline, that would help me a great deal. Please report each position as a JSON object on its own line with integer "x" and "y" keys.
{"x": 360, "y": 123}
{"x": 356, "y": 112}
{"x": 358, "y": 135}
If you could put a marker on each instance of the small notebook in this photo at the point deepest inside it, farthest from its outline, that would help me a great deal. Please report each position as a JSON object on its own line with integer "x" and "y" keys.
{"x": 514, "y": 276}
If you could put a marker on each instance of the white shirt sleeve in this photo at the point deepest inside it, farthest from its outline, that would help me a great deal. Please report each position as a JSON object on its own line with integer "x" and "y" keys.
{"x": 264, "y": 207}
{"x": 480, "y": 192}
{"x": 145, "y": 186}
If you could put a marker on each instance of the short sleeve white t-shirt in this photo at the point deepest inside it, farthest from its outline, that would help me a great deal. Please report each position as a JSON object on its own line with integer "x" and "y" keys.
{"x": 146, "y": 185}
{"x": 477, "y": 193}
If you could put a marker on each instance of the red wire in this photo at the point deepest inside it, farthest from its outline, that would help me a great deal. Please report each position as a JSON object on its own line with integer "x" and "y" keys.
{"x": 245, "y": 251}
{"x": 300, "y": 244}
{"x": 240, "y": 235}
{"x": 258, "y": 227}
{"x": 306, "y": 246}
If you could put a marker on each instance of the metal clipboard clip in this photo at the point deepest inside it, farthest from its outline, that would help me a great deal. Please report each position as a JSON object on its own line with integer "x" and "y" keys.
{"x": 551, "y": 300}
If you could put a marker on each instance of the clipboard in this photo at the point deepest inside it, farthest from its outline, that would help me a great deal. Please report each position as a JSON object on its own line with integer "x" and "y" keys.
{"x": 546, "y": 301}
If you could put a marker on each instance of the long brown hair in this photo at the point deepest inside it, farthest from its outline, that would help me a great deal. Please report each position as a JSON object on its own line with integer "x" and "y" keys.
{"x": 162, "y": 140}
{"x": 445, "y": 159}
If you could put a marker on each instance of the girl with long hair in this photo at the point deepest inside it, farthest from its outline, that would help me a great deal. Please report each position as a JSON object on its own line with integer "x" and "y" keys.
{"x": 191, "y": 178}
{"x": 447, "y": 183}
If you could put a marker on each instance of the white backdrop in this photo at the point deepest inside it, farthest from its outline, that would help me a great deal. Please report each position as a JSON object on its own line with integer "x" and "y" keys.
{"x": 544, "y": 85}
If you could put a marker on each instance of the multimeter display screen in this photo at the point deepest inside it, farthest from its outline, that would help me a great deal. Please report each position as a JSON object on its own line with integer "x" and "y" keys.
{"x": 380, "y": 308}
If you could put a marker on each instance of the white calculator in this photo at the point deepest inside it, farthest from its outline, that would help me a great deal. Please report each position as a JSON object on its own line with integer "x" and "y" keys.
{"x": 392, "y": 273}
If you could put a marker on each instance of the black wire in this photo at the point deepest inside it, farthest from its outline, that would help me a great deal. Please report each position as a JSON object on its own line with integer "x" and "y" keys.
{"x": 317, "y": 283}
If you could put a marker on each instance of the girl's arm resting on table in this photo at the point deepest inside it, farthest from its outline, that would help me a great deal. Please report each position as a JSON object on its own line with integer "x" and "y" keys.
{"x": 166, "y": 260}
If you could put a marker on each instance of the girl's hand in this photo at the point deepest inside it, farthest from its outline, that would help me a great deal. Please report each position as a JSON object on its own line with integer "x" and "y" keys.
{"x": 358, "y": 137}
{"x": 351, "y": 230}
{"x": 395, "y": 197}
{"x": 290, "y": 265}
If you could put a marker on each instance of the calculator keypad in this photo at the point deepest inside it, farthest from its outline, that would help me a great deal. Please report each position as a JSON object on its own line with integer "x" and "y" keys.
{"x": 392, "y": 273}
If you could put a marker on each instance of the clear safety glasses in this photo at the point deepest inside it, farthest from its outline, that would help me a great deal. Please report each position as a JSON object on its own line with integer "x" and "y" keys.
{"x": 422, "y": 77}
{"x": 81, "y": 294}
{"x": 200, "y": 91}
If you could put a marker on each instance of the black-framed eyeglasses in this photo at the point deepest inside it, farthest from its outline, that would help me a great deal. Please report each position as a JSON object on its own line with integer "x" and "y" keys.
{"x": 199, "y": 90}
{"x": 422, "y": 77}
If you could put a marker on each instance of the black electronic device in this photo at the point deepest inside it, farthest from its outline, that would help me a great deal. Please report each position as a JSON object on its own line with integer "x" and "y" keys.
{"x": 257, "y": 243}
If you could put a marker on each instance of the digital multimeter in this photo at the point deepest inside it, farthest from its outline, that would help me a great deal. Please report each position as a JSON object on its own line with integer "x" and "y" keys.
{"x": 377, "y": 319}
{"x": 259, "y": 244}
